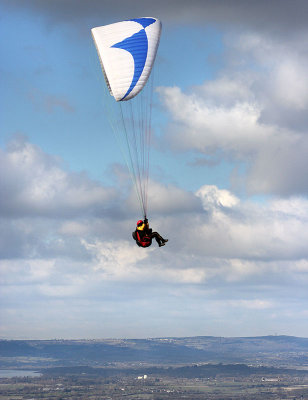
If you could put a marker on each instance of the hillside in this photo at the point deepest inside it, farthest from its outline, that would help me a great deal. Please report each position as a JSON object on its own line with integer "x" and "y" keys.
{"x": 278, "y": 351}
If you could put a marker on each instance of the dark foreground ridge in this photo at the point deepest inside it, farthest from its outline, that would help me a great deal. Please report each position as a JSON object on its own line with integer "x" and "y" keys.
{"x": 189, "y": 372}
{"x": 278, "y": 351}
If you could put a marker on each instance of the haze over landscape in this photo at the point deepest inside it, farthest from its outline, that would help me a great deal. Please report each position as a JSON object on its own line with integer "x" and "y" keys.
{"x": 228, "y": 185}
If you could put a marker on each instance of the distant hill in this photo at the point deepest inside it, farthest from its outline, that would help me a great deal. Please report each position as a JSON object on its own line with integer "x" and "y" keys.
{"x": 278, "y": 351}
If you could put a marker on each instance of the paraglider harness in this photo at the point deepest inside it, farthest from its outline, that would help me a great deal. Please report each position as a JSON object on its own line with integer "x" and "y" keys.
{"x": 145, "y": 239}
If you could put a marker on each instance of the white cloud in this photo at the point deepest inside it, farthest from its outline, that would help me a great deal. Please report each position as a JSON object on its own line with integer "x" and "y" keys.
{"x": 280, "y": 73}
{"x": 254, "y": 113}
{"x": 169, "y": 199}
{"x": 118, "y": 260}
{"x": 212, "y": 197}
{"x": 74, "y": 228}
{"x": 34, "y": 183}
{"x": 291, "y": 84}
{"x": 251, "y": 304}
{"x": 208, "y": 127}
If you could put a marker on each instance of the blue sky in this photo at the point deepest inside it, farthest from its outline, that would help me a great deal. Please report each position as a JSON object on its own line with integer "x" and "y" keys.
{"x": 61, "y": 85}
{"x": 228, "y": 175}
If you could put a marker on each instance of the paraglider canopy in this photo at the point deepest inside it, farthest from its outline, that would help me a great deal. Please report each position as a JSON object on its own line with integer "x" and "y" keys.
{"x": 127, "y": 51}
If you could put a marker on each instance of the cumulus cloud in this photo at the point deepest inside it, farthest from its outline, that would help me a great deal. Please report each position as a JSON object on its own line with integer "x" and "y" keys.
{"x": 35, "y": 183}
{"x": 254, "y": 113}
{"x": 170, "y": 199}
{"x": 249, "y": 231}
{"x": 212, "y": 198}
{"x": 276, "y": 69}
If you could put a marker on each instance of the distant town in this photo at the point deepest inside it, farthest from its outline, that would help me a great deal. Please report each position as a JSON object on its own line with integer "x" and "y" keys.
{"x": 269, "y": 367}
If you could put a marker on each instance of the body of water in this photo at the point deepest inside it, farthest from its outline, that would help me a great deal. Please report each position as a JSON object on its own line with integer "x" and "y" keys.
{"x": 15, "y": 373}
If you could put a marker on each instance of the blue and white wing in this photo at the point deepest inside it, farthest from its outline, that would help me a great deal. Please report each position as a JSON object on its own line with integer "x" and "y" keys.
{"x": 127, "y": 52}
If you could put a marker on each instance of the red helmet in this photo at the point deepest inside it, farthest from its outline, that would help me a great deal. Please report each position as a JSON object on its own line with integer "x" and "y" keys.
{"x": 140, "y": 222}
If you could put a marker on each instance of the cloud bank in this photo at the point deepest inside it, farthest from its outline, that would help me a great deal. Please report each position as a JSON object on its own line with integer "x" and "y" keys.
{"x": 279, "y": 17}
{"x": 62, "y": 249}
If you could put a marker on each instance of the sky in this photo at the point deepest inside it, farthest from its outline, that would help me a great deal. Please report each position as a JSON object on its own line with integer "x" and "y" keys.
{"x": 228, "y": 177}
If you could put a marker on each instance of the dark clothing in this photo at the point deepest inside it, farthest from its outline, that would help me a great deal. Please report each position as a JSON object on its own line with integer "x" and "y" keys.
{"x": 145, "y": 232}
{"x": 157, "y": 237}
